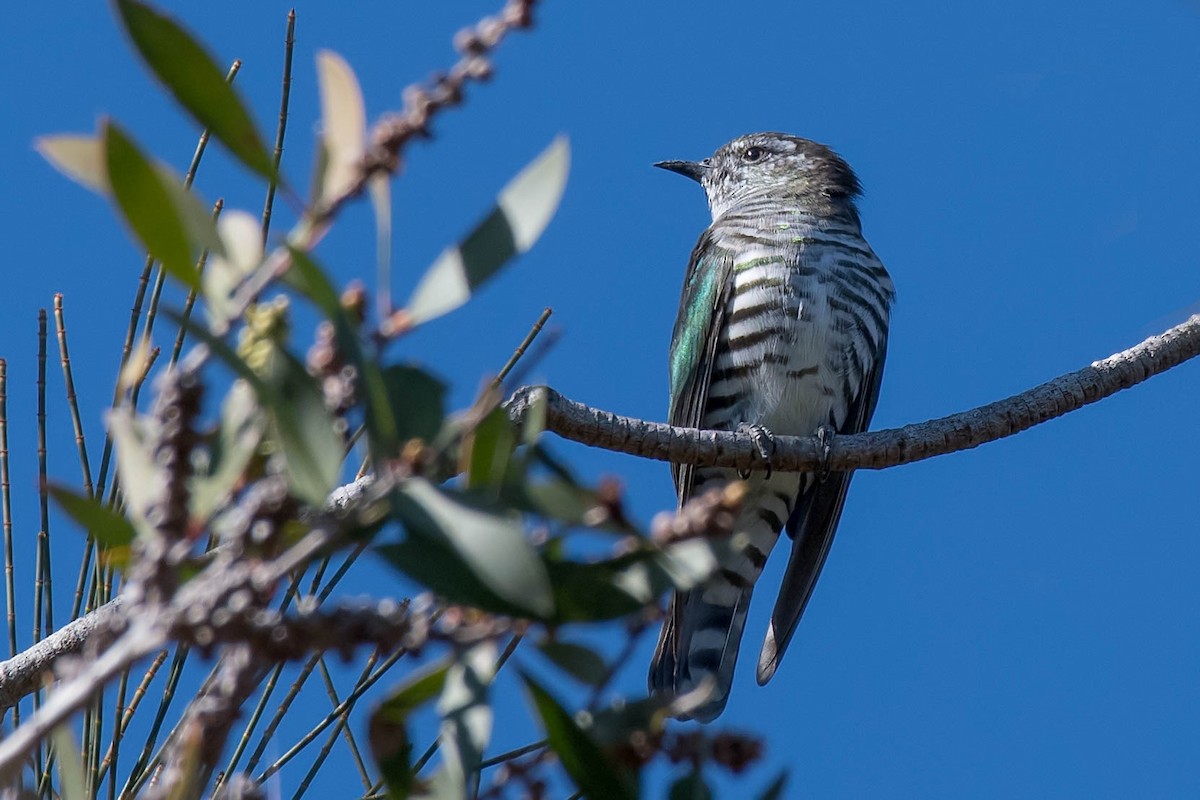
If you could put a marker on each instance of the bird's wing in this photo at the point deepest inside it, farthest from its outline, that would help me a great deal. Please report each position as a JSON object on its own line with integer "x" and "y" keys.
{"x": 694, "y": 342}
{"x": 812, "y": 527}
{"x": 693, "y": 351}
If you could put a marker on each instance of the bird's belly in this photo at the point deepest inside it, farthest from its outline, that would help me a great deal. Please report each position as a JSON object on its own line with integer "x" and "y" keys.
{"x": 777, "y": 358}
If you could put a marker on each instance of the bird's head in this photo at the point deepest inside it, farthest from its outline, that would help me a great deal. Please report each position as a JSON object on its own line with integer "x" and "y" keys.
{"x": 775, "y": 166}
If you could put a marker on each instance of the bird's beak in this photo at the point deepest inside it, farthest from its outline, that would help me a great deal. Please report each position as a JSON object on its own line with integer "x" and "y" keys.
{"x": 690, "y": 169}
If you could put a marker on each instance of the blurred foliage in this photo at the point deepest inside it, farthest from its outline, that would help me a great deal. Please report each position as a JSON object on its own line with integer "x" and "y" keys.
{"x": 481, "y": 515}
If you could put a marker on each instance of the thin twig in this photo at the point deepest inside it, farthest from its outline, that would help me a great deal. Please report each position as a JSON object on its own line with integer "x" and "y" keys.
{"x": 334, "y": 715}
{"x": 85, "y": 564}
{"x": 6, "y": 501}
{"x": 190, "y": 302}
{"x": 523, "y": 750}
{"x": 124, "y": 718}
{"x": 145, "y": 760}
{"x": 521, "y": 348}
{"x": 340, "y": 728}
{"x": 45, "y": 594}
{"x": 285, "y": 93}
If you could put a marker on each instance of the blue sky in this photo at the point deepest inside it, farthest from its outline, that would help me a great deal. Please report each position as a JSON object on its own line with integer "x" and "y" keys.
{"x": 1017, "y": 619}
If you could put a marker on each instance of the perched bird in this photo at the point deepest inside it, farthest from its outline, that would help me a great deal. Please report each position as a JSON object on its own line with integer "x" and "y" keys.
{"x": 782, "y": 329}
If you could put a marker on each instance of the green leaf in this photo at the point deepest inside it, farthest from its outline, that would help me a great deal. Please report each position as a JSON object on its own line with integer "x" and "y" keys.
{"x": 593, "y": 592}
{"x": 165, "y": 217}
{"x": 402, "y": 402}
{"x": 242, "y": 427}
{"x": 415, "y": 691}
{"x": 110, "y": 530}
{"x": 343, "y": 124}
{"x": 241, "y": 235}
{"x": 195, "y": 81}
{"x": 492, "y": 443}
{"x": 380, "y": 190}
{"x": 691, "y": 562}
{"x": 313, "y": 449}
{"x": 614, "y": 724}
{"x": 417, "y": 401}
{"x": 581, "y": 663}
{"x": 522, "y": 211}
{"x": 303, "y": 427}
{"x": 78, "y": 156}
{"x": 691, "y": 787}
{"x": 491, "y": 544}
{"x": 558, "y": 499}
{"x": 560, "y": 496}
{"x": 307, "y": 277}
{"x": 388, "y": 728}
{"x": 440, "y": 568}
{"x": 227, "y": 355}
{"x": 587, "y": 765}
{"x": 466, "y": 714}
{"x": 142, "y": 482}
{"x": 70, "y": 764}
{"x": 775, "y": 790}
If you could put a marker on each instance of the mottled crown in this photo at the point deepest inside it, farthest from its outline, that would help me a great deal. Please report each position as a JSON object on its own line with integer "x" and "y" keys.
{"x": 774, "y": 166}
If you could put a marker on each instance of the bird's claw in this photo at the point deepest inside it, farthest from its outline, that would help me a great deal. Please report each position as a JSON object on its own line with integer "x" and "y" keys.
{"x": 764, "y": 444}
{"x": 825, "y": 436}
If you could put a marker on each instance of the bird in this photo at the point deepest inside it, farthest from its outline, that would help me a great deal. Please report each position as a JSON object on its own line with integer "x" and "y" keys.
{"x": 782, "y": 329}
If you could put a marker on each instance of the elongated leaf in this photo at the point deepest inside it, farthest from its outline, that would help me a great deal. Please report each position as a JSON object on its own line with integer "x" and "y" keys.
{"x": 690, "y": 562}
{"x": 108, "y": 527}
{"x": 155, "y": 208}
{"x": 380, "y": 190}
{"x": 142, "y": 481}
{"x": 491, "y": 544}
{"x": 242, "y": 427}
{"x": 308, "y": 278}
{"x": 305, "y": 430}
{"x": 222, "y": 351}
{"x": 466, "y": 714}
{"x": 615, "y": 724}
{"x": 110, "y": 530}
{"x": 388, "y": 727}
{"x": 70, "y": 764}
{"x": 414, "y": 692}
{"x": 195, "y": 81}
{"x": 442, "y": 570}
{"x": 592, "y": 592}
{"x": 241, "y": 235}
{"x": 78, "y": 156}
{"x": 587, "y": 765}
{"x": 490, "y": 447}
{"x": 522, "y": 211}
{"x": 557, "y": 499}
{"x": 774, "y": 791}
{"x": 402, "y": 401}
{"x": 343, "y": 124}
{"x": 417, "y": 401}
{"x": 581, "y": 663}
{"x": 690, "y": 787}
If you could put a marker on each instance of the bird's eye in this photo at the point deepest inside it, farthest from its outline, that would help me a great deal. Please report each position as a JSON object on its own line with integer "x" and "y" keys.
{"x": 755, "y": 153}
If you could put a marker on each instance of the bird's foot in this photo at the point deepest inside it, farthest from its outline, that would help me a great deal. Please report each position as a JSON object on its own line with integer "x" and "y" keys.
{"x": 825, "y": 436}
{"x": 764, "y": 445}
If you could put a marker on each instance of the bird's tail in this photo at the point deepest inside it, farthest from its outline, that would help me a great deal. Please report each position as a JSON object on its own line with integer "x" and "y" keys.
{"x": 700, "y": 640}
{"x": 703, "y": 629}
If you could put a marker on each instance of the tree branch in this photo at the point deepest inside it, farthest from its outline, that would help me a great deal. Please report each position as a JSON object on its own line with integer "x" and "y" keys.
{"x": 876, "y": 449}
{"x": 26, "y": 671}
